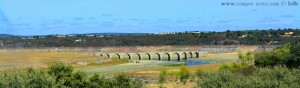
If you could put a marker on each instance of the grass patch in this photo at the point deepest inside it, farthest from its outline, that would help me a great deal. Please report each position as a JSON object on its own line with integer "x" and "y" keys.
{"x": 173, "y": 64}
{"x": 218, "y": 57}
{"x": 22, "y": 60}
{"x": 108, "y": 63}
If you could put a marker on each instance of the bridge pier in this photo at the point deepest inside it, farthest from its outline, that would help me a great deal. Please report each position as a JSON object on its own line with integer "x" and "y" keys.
{"x": 191, "y": 54}
{"x": 169, "y": 57}
{"x": 159, "y": 57}
{"x": 185, "y": 56}
{"x": 119, "y": 56}
{"x": 197, "y": 54}
{"x": 139, "y": 56}
{"x": 108, "y": 56}
{"x": 178, "y": 56}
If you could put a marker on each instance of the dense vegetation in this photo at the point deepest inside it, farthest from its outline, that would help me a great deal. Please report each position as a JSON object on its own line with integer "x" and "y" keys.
{"x": 250, "y": 37}
{"x": 277, "y": 69}
{"x": 60, "y": 75}
{"x": 258, "y": 77}
{"x": 288, "y": 55}
{"x": 277, "y": 77}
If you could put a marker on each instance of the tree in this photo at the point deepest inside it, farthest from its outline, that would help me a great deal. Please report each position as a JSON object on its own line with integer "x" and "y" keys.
{"x": 184, "y": 74}
{"x": 280, "y": 56}
{"x": 200, "y": 72}
{"x": 242, "y": 58}
{"x": 38, "y": 79}
{"x": 122, "y": 80}
{"x": 162, "y": 76}
{"x": 294, "y": 61}
{"x": 79, "y": 80}
{"x": 228, "y": 33}
{"x": 250, "y": 57}
{"x": 62, "y": 73}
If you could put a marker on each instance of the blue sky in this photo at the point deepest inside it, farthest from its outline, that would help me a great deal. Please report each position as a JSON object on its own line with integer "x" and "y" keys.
{"x": 41, "y": 17}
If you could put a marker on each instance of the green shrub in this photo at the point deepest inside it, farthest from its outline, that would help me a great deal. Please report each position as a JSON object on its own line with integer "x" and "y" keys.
{"x": 26, "y": 79}
{"x": 200, "y": 73}
{"x": 39, "y": 79}
{"x": 277, "y": 77}
{"x": 61, "y": 75}
{"x": 162, "y": 76}
{"x": 287, "y": 55}
{"x": 234, "y": 67}
{"x": 96, "y": 81}
{"x": 184, "y": 74}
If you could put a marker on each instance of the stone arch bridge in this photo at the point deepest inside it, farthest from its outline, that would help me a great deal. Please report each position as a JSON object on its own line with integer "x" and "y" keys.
{"x": 169, "y": 56}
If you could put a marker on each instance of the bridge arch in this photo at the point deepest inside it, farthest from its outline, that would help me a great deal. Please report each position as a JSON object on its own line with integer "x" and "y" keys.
{"x": 196, "y": 54}
{"x": 191, "y": 54}
{"x": 102, "y": 56}
{"x": 129, "y": 57}
{"x": 139, "y": 56}
{"x": 159, "y": 57}
{"x": 168, "y": 56}
{"x": 108, "y": 56}
{"x": 119, "y": 56}
{"x": 178, "y": 56}
{"x": 149, "y": 56}
{"x": 185, "y": 56}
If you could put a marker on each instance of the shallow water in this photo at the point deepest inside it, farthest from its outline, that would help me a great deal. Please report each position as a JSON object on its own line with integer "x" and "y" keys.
{"x": 192, "y": 63}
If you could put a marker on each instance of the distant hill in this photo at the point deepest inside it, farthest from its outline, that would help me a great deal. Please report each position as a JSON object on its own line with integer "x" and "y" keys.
{"x": 6, "y": 36}
{"x": 256, "y": 37}
{"x": 113, "y": 34}
{"x": 97, "y": 34}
